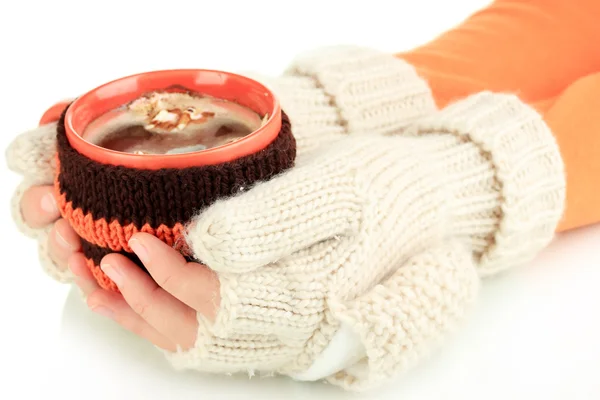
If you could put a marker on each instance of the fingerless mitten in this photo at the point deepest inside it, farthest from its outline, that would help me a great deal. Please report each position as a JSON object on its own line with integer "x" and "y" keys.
{"x": 385, "y": 236}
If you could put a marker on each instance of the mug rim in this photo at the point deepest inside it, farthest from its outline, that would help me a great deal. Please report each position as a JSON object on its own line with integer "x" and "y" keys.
{"x": 93, "y": 104}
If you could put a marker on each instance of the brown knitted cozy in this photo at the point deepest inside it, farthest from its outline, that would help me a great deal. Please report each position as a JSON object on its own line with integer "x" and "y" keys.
{"x": 107, "y": 204}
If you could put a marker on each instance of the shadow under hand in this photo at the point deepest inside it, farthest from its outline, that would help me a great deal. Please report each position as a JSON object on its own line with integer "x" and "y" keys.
{"x": 100, "y": 350}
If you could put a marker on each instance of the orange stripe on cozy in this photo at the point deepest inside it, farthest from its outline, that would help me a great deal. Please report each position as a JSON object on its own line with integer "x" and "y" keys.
{"x": 111, "y": 234}
{"x": 103, "y": 281}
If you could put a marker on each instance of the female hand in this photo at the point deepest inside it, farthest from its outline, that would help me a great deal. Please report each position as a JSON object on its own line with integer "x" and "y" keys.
{"x": 160, "y": 307}
{"x": 362, "y": 238}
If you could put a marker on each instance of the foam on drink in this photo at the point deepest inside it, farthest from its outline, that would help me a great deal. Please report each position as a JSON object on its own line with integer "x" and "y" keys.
{"x": 172, "y": 123}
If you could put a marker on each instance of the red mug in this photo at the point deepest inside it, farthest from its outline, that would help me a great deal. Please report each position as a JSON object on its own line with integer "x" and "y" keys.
{"x": 108, "y": 195}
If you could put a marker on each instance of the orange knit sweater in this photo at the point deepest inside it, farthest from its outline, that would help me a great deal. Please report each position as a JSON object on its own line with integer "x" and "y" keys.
{"x": 548, "y": 53}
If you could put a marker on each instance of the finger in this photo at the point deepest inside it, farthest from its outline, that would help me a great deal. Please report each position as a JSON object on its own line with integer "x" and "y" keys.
{"x": 277, "y": 218}
{"x": 83, "y": 276}
{"x": 63, "y": 242}
{"x": 191, "y": 283}
{"x": 113, "y": 306}
{"x": 78, "y": 266}
{"x": 38, "y": 206}
{"x": 169, "y": 316}
{"x": 32, "y": 153}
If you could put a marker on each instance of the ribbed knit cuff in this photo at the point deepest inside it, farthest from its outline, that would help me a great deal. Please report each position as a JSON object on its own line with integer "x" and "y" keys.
{"x": 253, "y": 354}
{"x": 334, "y": 91}
{"x": 371, "y": 90}
{"x": 511, "y": 198}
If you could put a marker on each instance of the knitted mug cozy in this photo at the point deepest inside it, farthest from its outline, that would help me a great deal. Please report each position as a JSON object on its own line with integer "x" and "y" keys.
{"x": 107, "y": 204}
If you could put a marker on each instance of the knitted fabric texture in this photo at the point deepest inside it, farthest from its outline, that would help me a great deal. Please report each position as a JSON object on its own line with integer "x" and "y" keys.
{"x": 387, "y": 234}
{"x": 328, "y": 93}
{"x": 107, "y": 204}
{"x": 332, "y": 92}
{"x": 528, "y": 178}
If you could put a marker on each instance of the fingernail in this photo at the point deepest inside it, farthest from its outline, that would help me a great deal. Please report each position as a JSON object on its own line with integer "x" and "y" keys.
{"x": 48, "y": 204}
{"x": 139, "y": 250}
{"x": 73, "y": 270}
{"x": 105, "y": 312}
{"x": 113, "y": 273}
{"x": 85, "y": 285}
{"x": 62, "y": 241}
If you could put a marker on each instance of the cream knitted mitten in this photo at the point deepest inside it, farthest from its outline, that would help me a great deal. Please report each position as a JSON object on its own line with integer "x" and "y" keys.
{"x": 385, "y": 234}
{"x": 328, "y": 93}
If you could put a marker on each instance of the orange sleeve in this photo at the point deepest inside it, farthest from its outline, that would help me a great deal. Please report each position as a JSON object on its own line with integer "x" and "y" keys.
{"x": 548, "y": 53}
{"x": 575, "y": 120}
{"x": 535, "y": 48}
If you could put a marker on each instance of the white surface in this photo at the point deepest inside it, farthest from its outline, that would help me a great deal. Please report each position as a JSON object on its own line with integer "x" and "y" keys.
{"x": 534, "y": 335}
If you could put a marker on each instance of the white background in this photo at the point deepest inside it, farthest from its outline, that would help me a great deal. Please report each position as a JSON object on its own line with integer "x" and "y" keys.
{"x": 534, "y": 335}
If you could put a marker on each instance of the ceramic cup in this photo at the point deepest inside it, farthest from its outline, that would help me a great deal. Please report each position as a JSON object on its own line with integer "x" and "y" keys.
{"x": 108, "y": 195}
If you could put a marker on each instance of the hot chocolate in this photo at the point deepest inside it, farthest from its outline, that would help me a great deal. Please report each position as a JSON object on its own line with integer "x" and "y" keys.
{"x": 172, "y": 123}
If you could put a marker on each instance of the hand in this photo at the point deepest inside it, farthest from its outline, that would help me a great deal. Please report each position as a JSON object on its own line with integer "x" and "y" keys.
{"x": 289, "y": 258}
{"x": 296, "y": 255}
{"x": 385, "y": 235}
{"x": 161, "y": 307}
